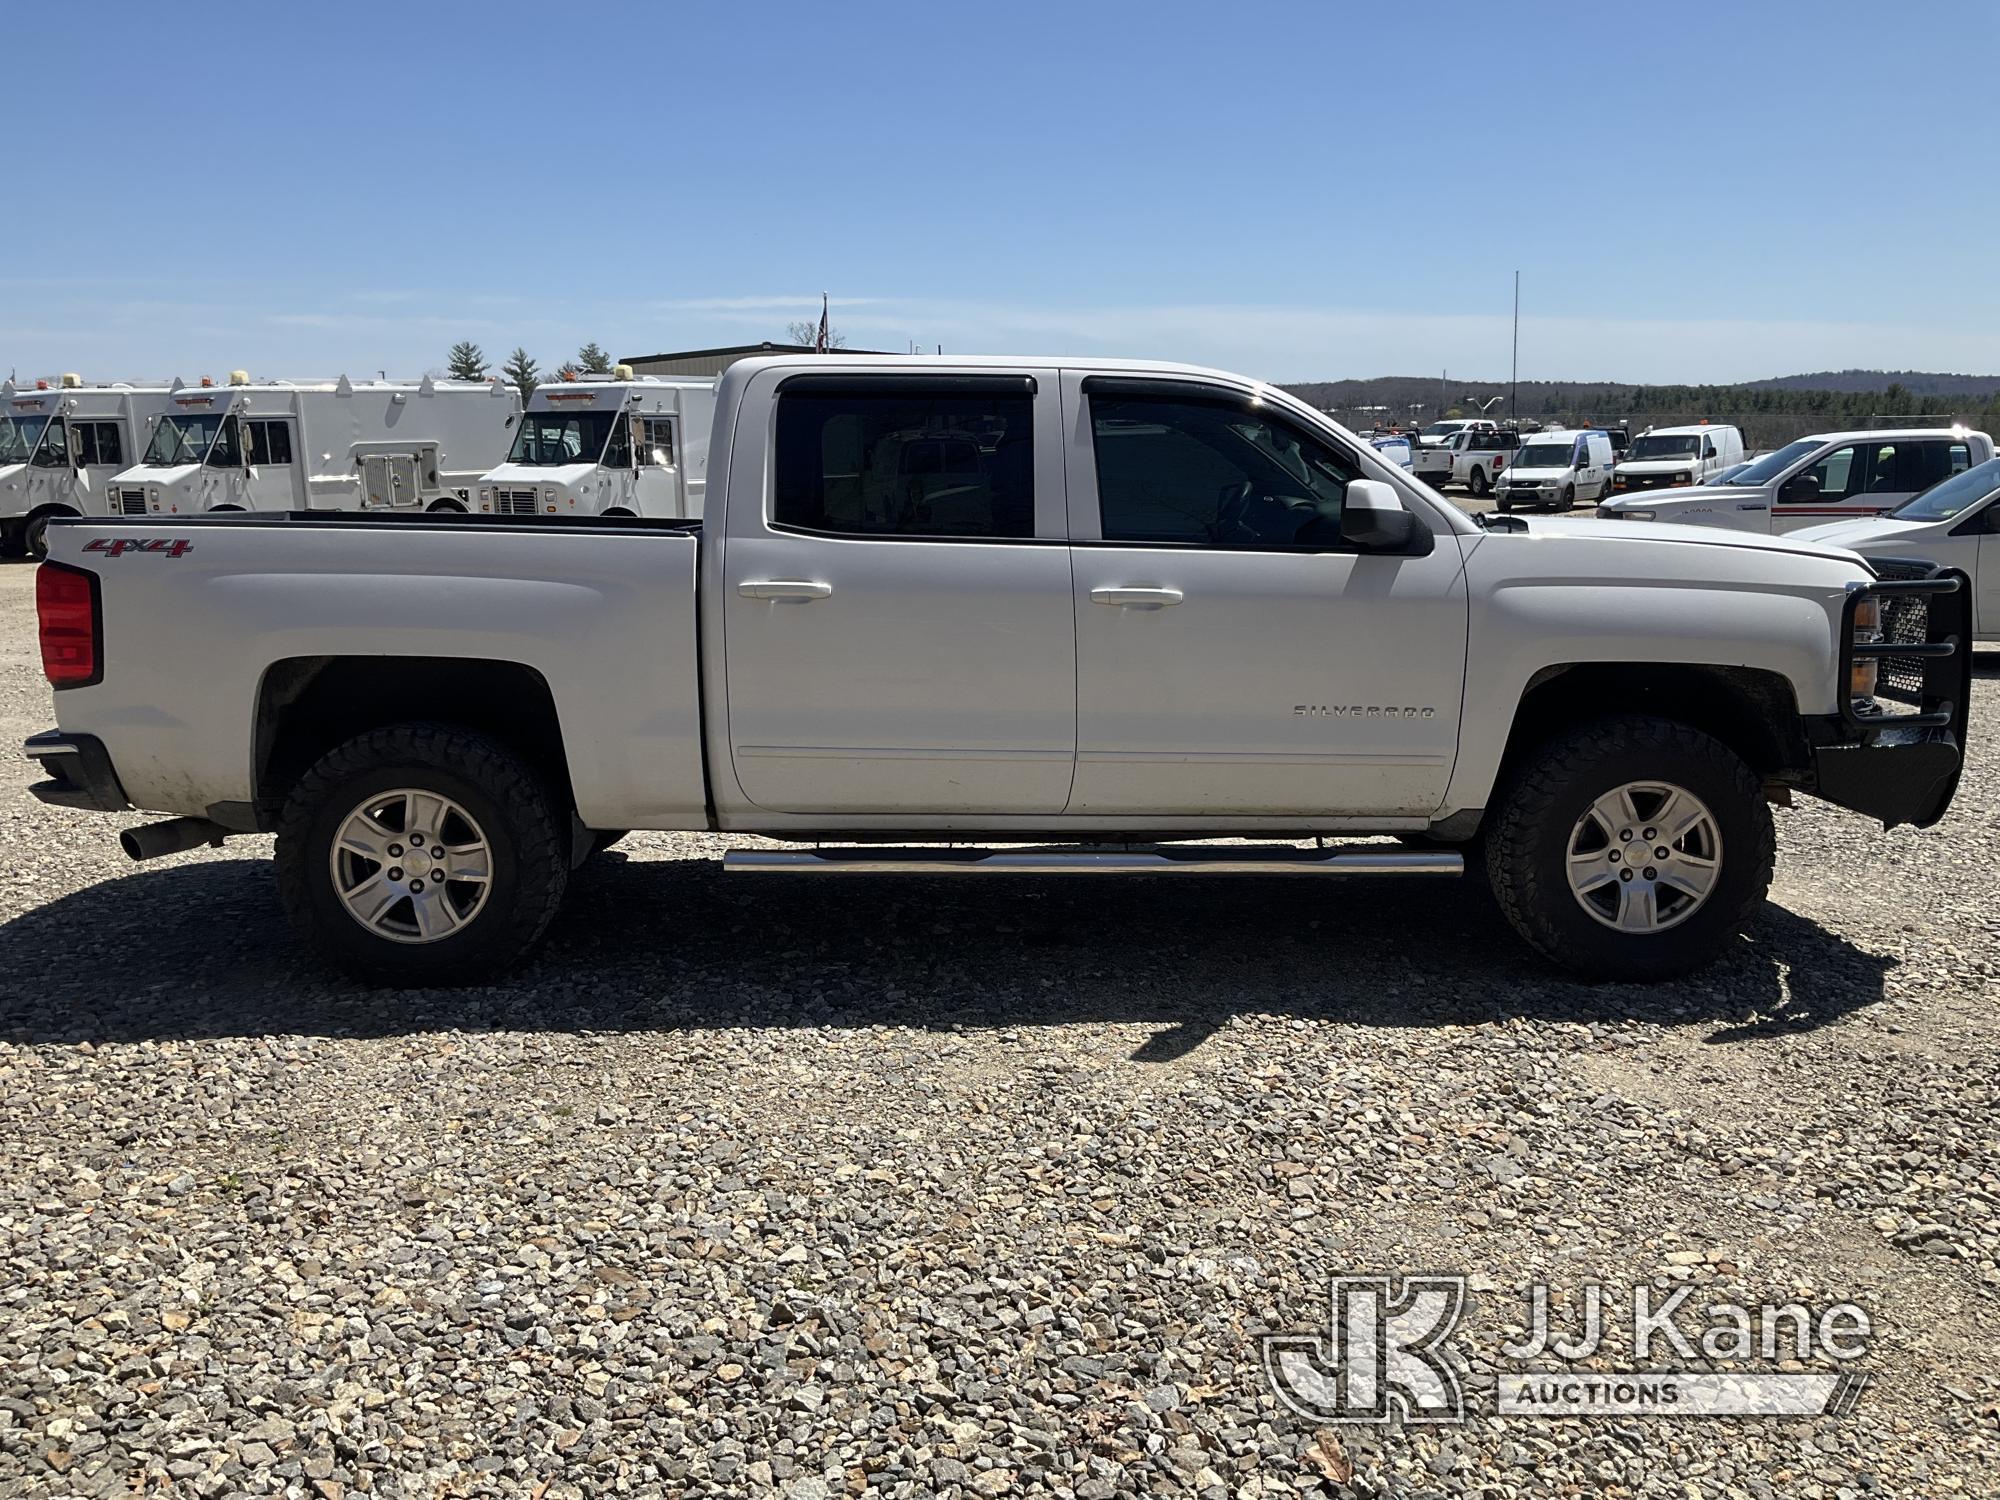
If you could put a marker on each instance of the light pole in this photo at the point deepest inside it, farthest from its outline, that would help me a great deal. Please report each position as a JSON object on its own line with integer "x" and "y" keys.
{"x": 1514, "y": 408}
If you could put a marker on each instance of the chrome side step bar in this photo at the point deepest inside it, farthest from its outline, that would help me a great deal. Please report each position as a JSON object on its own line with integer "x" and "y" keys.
{"x": 1237, "y": 860}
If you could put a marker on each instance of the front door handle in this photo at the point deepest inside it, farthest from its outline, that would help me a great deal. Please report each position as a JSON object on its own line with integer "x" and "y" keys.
{"x": 784, "y": 588}
{"x": 1136, "y": 597}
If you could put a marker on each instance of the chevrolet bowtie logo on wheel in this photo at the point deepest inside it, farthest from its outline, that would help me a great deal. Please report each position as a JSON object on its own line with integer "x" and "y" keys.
{"x": 1384, "y": 1352}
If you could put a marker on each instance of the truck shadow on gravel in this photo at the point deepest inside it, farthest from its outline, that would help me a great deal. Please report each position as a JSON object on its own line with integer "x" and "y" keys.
{"x": 200, "y": 950}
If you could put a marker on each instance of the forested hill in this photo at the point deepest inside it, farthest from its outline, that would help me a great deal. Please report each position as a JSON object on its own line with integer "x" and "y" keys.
{"x": 1917, "y": 382}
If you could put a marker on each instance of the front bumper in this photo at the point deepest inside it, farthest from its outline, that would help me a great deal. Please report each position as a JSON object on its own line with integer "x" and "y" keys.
{"x": 80, "y": 772}
{"x": 1900, "y": 781}
{"x": 1902, "y": 767}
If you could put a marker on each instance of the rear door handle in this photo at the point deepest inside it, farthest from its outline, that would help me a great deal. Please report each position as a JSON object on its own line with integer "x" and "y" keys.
{"x": 1136, "y": 598}
{"x": 784, "y": 588}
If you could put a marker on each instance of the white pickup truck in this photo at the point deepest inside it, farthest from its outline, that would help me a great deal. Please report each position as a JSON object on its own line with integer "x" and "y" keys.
{"x": 1474, "y": 457}
{"x": 1830, "y": 476}
{"x": 1112, "y": 612}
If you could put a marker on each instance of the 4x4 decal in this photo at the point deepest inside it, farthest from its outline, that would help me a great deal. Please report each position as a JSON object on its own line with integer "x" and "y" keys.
{"x": 118, "y": 546}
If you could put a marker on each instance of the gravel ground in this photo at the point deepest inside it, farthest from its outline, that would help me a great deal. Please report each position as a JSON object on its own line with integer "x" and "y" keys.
{"x": 914, "y": 1188}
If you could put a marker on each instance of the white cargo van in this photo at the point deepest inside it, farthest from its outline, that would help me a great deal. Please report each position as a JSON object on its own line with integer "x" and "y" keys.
{"x": 61, "y": 448}
{"x": 340, "y": 445}
{"x": 607, "y": 446}
{"x": 1669, "y": 456}
{"x": 1557, "y": 469}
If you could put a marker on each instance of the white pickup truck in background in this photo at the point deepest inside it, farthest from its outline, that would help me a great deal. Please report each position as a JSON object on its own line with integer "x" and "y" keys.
{"x": 1109, "y": 611}
{"x": 1474, "y": 457}
{"x": 1834, "y": 475}
{"x": 1955, "y": 525}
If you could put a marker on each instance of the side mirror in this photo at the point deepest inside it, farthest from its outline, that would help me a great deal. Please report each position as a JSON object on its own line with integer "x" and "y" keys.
{"x": 1372, "y": 518}
{"x": 1800, "y": 489}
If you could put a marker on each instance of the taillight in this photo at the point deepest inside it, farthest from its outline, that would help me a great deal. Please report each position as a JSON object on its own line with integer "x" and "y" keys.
{"x": 66, "y": 605}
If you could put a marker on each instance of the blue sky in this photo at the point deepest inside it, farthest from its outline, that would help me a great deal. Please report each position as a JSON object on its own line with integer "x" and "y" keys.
{"x": 1298, "y": 192}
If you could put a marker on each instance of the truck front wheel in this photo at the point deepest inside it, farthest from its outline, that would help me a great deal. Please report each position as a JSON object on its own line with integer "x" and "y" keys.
{"x": 1630, "y": 848}
{"x": 421, "y": 854}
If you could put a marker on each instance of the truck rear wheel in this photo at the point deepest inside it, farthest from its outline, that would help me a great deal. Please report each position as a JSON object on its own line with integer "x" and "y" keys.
{"x": 421, "y": 854}
{"x": 1630, "y": 848}
{"x": 1478, "y": 483}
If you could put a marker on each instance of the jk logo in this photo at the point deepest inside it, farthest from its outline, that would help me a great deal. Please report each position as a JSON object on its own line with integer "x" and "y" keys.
{"x": 1384, "y": 1351}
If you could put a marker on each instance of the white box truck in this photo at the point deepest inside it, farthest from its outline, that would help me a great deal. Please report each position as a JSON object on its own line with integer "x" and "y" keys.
{"x": 339, "y": 445}
{"x": 61, "y": 448}
{"x": 607, "y": 446}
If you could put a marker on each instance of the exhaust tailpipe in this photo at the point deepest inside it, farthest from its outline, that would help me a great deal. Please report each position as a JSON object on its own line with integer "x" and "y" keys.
{"x": 171, "y": 837}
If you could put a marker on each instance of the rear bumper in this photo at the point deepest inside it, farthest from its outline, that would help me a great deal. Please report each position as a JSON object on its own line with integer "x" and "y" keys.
{"x": 79, "y": 769}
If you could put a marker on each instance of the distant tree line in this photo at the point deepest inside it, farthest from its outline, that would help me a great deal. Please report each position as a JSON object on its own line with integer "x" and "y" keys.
{"x": 468, "y": 362}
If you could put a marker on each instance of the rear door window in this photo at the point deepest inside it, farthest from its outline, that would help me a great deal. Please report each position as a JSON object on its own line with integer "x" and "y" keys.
{"x": 949, "y": 457}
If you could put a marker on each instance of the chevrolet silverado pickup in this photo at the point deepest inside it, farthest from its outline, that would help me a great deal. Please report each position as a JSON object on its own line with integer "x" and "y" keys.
{"x": 992, "y": 617}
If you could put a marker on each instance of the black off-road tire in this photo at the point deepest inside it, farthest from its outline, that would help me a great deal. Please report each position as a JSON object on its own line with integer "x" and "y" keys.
{"x": 1527, "y": 844}
{"x": 528, "y": 841}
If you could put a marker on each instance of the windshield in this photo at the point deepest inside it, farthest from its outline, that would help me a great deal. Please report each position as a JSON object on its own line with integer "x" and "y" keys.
{"x": 1665, "y": 446}
{"x": 1948, "y": 497}
{"x": 1771, "y": 465}
{"x": 1544, "y": 456}
{"x": 1441, "y": 429}
{"x": 562, "y": 437}
{"x": 190, "y": 438}
{"x": 19, "y": 436}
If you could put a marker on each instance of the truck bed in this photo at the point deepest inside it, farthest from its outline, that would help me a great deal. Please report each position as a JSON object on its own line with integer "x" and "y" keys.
{"x": 601, "y": 611}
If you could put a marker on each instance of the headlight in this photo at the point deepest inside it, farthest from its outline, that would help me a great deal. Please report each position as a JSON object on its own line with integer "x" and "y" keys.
{"x": 1684, "y": 479}
{"x": 1865, "y": 672}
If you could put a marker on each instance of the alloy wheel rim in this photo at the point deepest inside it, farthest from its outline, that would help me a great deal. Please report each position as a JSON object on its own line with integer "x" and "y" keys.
{"x": 411, "y": 866}
{"x": 1644, "y": 857}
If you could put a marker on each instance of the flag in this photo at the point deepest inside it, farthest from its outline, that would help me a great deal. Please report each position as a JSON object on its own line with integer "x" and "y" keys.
{"x": 819, "y": 342}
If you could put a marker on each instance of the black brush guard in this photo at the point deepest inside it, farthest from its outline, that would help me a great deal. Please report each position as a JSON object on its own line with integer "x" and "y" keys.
{"x": 1898, "y": 755}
